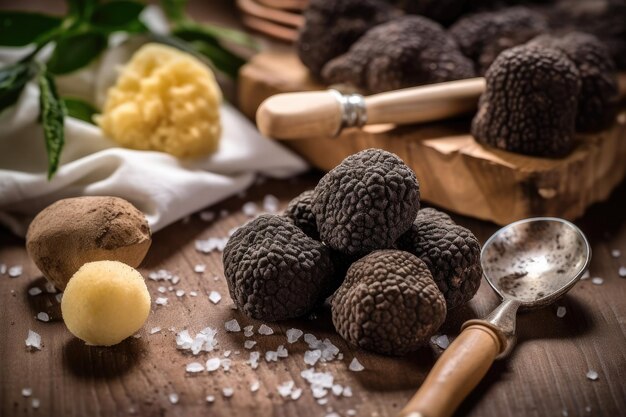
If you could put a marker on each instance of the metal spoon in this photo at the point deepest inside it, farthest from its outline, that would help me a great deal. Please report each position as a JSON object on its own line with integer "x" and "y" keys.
{"x": 529, "y": 264}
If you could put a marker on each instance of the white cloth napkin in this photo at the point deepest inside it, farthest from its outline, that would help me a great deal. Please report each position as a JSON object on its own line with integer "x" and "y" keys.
{"x": 163, "y": 187}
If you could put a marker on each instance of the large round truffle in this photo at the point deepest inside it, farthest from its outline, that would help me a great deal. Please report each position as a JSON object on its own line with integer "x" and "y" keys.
{"x": 530, "y": 101}
{"x": 405, "y": 52}
{"x": 300, "y": 211}
{"x": 274, "y": 271}
{"x": 332, "y": 26}
{"x": 482, "y": 36}
{"x": 366, "y": 202}
{"x": 451, "y": 252}
{"x": 388, "y": 303}
{"x": 599, "y": 92}
{"x": 74, "y": 231}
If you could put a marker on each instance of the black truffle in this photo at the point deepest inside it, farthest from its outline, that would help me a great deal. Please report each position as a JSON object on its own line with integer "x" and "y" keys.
{"x": 529, "y": 104}
{"x": 388, "y": 303}
{"x": 300, "y": 212}
{"x": 366, "y": 202}
{"x": 274, "y": 271}
{"x": 332, "y": 26}
{"x": 405, "y": 52}
{"x": 451, "y": 252}
{"x": 483, "y": 36}
{"x": 441, "y": 11}
{"x": 597, "y": 102}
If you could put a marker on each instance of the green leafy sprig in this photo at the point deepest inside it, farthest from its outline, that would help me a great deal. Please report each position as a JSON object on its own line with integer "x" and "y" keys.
{"x": 80, "y": 37}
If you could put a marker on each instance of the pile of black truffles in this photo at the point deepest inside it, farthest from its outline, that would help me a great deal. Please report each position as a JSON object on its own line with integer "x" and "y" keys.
{"x": 390, "y": 269}
{"x": 550, "y": 65}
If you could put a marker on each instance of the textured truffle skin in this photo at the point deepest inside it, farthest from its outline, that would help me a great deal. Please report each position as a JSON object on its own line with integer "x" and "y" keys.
{"x": 482, "y": 36}
{"x": 274, "y": 271}
{"x": 332, "y": 26}
{"x": 366, "y": 202}
{"x": 405, "y": 52}
{"x": 300, "y": 211}
{"x": 388, "y": 303}
{"x": 598, "y": 97}
{"x": 529, "y": 104}
{"x": 451, "y": 252}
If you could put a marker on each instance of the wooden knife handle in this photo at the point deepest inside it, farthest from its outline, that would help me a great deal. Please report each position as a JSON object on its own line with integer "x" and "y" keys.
{"x": 457, "y": 372}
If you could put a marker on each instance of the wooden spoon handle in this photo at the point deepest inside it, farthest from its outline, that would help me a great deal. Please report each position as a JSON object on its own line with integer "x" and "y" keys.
{"x": 459, "y": 369}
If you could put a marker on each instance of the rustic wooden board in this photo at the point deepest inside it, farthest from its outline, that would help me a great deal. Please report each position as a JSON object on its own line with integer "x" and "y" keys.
{"x": 455, "y": 171}
{"x": 544, "y": 376}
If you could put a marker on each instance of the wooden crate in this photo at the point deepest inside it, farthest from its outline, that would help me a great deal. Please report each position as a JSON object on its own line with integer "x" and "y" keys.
{"x": 455, "y": 172}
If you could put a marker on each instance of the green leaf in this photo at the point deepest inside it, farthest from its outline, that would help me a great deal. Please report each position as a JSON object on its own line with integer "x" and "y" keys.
{"x": 13, "y": 78}
{"x": 119, "y": 15}
{"x": 223, "y": 59}
{"x": 174, "y": 9}
{"x": 79, "y": 109}
{"x": 81, "y": 9}
{"x": 191, "y": 31}
{"x": 74, "y": 51}
{"x": 52, "y": 114}
{"x": 24, "y": 28}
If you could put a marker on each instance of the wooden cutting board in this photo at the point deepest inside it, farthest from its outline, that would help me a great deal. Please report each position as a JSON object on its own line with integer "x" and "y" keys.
{"x": 455, "y": 172}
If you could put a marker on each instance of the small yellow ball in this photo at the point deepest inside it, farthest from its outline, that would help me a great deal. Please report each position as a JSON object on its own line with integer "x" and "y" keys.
{"x": 105, "y": 302}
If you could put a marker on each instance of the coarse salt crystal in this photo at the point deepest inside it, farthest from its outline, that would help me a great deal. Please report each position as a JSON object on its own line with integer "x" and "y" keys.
{"x": 337, "y": 389}
{"x": 270, "y": 204}
{"x": 586, "y": 275}
{"x": 173, "y": 397}
{"x": 248, "y": 331}
{"x": 561, "y": 311}
{"x": 616, "y": 253}
{"x": 312, "y": 356}
{"x": 347, "y": 392}
{"x": 226, "y": 363}
{"x": 249, "y": 344}
{"x": 215, "y": 297}
{"x": 232, "y": 326}
{"x": 250, "y": 209}
{"x": 16, "y": 271}
{"x": 356, "y": 366}
{"x": 228, "y": 392}
{"x": 200, "y": 268}
{"x": 265, "y": 330}
{"x": 227, "y": 353}
{"x": 223, "y": 213}
{"x": 175, "y": 280}
{"x": 255, "y": 385}
{"x": 296, "y": 393}
{"x": 34, "y": 291}
{"x": 155, "y": 330}
{"x": 194, "y": 367}
{"x": 282, "y": 352}
{"x": 592, "y": 375}
{"x": 254, "y": 359}
{"x": 180, "y": 293}
{"x": 213, "y": 364}
{"x": 193, "y": 293}
{"x": 322, "y": 401}
{"x": 293, "y": 335}
{"x": 207, "y": 216}
{"x": 442, "y": 341}
{"x": 27, "y": 392}
{"x": 35, "y": 403}
{"x": 210, "y": 398}
{"x": 50, "y": 288}
{"x": 271, "y": 356}
{"x": 161, "y": 301}
{"x": 285, "y": 388}
{"x": 597, "y": 280}
{"x": 33, "y": 340}
{"x": 162, "y": 289}
{"x": 43, "y": 316}
{"x": 59, "y": 297}
{"x": 351, "y": 412}
{"x": 622, "y": 271}
{"x": 3, "y": 269}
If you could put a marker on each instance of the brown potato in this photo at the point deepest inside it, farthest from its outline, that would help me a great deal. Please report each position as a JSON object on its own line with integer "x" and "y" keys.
{"x": 74, "y": 231}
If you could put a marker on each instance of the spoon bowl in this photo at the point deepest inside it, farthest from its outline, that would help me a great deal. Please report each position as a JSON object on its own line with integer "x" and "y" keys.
{"x": 535, "y": 261}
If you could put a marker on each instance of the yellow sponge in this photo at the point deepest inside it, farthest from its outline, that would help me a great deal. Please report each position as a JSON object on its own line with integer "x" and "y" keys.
{"x": 105, "y": 302}
{"x": 164, "y": 100}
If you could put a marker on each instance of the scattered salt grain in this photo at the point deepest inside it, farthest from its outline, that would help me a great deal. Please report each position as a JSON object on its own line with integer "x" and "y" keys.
{"x": 215, "y": 297}
{"x": 333, "y": 414}
{"x": 254, "y": 359}
{"x": 322, "y": 401}
{"x": 293, "y": 335}
{"x": 207, "y": 216}
{"x": 586, "y": 275}
{"x": 270, "y": 204}
{"x": 194, "y": 367}
{"x": 33, "y": 340}
{"x": 250, "y": 209}
{"x": 355, "y": 366}
{"x": 155, "y": 330}
{"x": 616, "y": 253}
{"x": 285, "y": 388}
{"x": 296, "y": 393}
{"x": 248, "y": 331}
{"x": 210, "y": 398}
{"x": 27, "y": 392}
{"x": 34, "y": 291}
{"x": 347, "y": 392}
{"x": 193, "y": 294}
{"x": 180, "y": 293}
{"x": 337, "y": 390}
{"x": 592, "y": 375}
{"x": 271, "y": 356}
{"x": 173, "y": 397}
{"x": 265, "y": 330}
{"x": 59, "y": 297}
{"x": 228, "y": 392}
{"x": 351, "y": 412}
{"x": 561, "y": 311}
{"x": 50, "y": 288}
{"x": 223, "y": 213}
{"x": 200, "y": 268}
{"x": 282, "y": 352}
{"x": 442, "y": 341}
{"x": 3, "y": 269}
{"x": 226, "y": 363}
{"x": 161, "y": 301}
{"x": 162, "y": 289}
{"x": 137, "y": 336}
{"x": 227, "y": 353}
{"x": 175, "y": 280}
{"x": 16, "y": 271}
{"x": 249, "y": 344}
{"x": 213, "y": 364}
{"x": 43, "y": 316}
{"x": 312, "y": 356}
{"x": 211, "y": 244}
{"x": 35, "y": 403}
{"x": 597, "y": 280}
{"x": 254, "y": 386}
{"x": 232, "y": 326}
{"x": 622, "y": 271}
